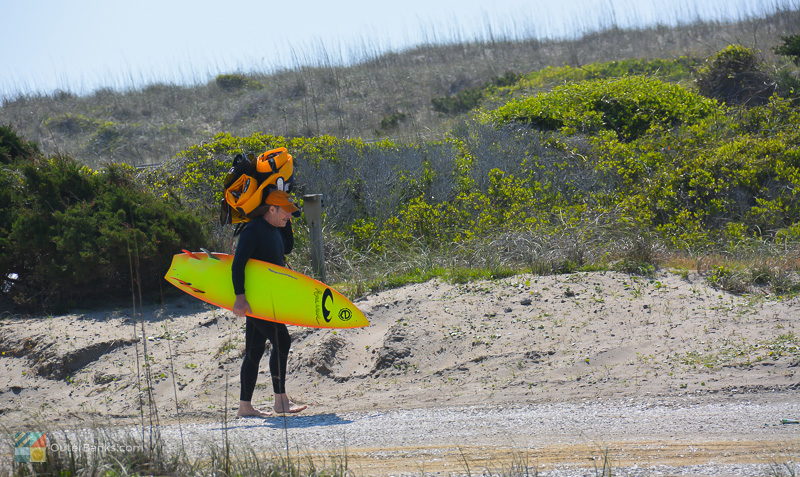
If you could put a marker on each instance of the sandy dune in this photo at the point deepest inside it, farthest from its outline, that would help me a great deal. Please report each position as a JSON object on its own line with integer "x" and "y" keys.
{"x": 523, "y": 340}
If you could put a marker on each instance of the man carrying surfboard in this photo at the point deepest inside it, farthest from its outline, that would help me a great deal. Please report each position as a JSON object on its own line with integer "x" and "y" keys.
{"x": 268, "y": 238}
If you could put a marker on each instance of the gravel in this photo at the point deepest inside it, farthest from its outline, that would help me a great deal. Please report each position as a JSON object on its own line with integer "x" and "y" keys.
{"x": 611, "y": 427}
{"x": 521, "y": 426}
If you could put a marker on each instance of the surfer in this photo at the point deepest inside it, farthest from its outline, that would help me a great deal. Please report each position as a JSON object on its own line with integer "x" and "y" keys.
{"x": 268, "y": 237}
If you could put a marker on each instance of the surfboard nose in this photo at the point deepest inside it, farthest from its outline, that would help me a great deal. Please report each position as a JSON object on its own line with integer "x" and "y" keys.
{"x": 348, "y": 316}
{"x": 359, "y": 321}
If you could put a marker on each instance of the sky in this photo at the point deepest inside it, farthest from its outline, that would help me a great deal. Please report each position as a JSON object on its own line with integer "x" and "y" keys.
{"x": 84, "y": 45}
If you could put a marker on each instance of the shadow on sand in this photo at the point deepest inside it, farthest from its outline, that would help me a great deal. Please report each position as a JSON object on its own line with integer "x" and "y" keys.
{"x": 289, "y": 422}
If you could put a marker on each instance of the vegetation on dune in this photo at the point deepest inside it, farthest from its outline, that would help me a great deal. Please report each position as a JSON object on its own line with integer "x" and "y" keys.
{"x": 468, "y": 99}
{"x": 627, "y": 106}
{"x": 735, "y": 75}
{"x": 673, "y": 70}
{"x": 790, "y": 47}
{"x": 70, "y": 235}
{"x": 617, "y": 165}
{"x": 13, "y": 147}
{"x": 601, "y": 171}
{"x": 410, "y": 96}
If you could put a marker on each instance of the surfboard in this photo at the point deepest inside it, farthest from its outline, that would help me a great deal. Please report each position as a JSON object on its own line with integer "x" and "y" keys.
{"x": 275, "y": 293}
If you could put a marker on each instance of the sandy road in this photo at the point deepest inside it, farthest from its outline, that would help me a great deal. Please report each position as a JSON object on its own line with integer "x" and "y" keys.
{"x": 664, "y": 436}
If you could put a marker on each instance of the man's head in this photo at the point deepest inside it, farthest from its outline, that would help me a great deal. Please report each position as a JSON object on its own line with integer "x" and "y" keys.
{"x": 280, "y": 208}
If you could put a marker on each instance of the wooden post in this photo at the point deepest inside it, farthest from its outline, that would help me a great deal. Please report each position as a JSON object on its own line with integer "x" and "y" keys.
{"x": 312, "y": 208}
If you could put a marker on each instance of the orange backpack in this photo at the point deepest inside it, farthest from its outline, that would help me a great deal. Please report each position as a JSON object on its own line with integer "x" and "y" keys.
{"x": 250, "y": 179}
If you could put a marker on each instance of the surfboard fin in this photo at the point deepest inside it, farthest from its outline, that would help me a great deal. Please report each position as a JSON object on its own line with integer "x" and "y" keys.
{"x": 209, "y": 254}
{"x": 190, "y": 254}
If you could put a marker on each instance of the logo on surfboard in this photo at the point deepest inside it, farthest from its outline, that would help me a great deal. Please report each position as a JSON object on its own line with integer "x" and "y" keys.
{"x": 324, "y": 300}
{"x": 328, "y": 295}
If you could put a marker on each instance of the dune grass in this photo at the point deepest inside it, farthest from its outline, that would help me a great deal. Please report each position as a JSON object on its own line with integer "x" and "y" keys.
{"x": 107, "y": 453}
{"x": 378, "y": 95}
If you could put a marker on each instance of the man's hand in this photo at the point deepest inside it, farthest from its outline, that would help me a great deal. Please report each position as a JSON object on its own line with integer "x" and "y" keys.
{"x": 240, "y": 306}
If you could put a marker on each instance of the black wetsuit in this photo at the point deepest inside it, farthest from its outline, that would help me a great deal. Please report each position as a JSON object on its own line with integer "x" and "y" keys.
{"x": 262, "y": 241}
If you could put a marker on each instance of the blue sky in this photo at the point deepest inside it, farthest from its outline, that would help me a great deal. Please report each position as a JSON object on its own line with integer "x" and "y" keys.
{"x": 82, "y": 45}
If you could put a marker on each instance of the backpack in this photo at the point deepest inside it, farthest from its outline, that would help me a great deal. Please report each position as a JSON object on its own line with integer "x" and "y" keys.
{"x": 248, "y": 182}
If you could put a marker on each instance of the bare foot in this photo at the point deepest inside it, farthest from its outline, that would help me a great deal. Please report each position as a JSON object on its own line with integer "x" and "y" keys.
{"x": 247, "y": 410}
{"x": 292, "y": 408}
{"x": 285, "y": 406}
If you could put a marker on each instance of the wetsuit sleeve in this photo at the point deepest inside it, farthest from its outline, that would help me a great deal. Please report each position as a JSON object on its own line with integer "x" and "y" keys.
{"x": 288, "y": 238}
{"x": 244, "y": 250}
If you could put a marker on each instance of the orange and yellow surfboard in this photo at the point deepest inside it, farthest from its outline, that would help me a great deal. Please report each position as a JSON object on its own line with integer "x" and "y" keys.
{"x": 275, "y": 293}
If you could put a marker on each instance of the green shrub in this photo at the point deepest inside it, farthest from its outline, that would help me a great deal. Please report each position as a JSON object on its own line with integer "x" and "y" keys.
{"x": 698, "y": 184}
{"x": 72, "y": 124}
{"x": 730, "y": 279}
{"x": 788, "y": 236}
{"x": 468, "y": 99}
{"x": 740, "y": 279}
{"x": 790, "y": 48}
{"x": 460, "y": 102}
{"x": 235, "y": 82}
{"x": 735, "y": 75}
{"x": 634, "y": 267}
{"x": 107, "y": 138}
{"x": 392, "y": 121}
{"x": 788, "y": 84}
{"x": 673, "y": 70}
{"x": 74, "y": 234}
{"x": 506, "y": 79}
{"x": 787, "y": 78}
{"x": 13, "y": 147}
{"x": 627, "y": 106}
